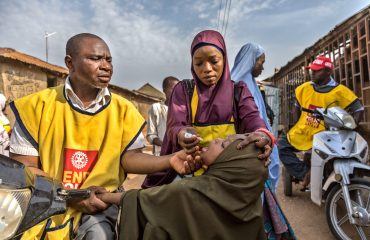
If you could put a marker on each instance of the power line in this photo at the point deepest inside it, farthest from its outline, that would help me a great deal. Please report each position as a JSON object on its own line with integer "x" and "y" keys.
{"x": 222, "y": 25}
{"x": 219, "y": 13}
{"x": 223, "y": 21}
{"x": 227, "y": 19}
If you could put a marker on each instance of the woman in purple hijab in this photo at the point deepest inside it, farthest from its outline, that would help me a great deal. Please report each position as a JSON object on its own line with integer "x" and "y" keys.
{"x": 210, "y": 106}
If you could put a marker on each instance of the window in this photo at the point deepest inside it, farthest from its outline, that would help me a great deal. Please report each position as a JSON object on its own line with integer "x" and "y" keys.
{"x": 51, "y": 81}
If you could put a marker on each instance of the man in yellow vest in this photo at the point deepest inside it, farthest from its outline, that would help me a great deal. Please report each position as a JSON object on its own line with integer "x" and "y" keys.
{"x": 320, "y": 92}
{"x": 84, "y": 136}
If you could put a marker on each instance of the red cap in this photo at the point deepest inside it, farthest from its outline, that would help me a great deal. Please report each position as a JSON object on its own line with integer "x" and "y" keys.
{"x": 320, "y": 63}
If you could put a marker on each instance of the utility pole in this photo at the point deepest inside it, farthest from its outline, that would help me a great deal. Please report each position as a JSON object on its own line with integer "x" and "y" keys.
{"x": 47, "y": 35}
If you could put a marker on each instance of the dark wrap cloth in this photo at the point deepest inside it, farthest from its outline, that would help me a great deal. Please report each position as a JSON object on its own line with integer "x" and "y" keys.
{"x": 223, "y": 203}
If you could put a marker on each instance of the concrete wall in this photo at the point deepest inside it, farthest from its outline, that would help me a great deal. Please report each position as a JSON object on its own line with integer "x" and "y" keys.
{"x": 18, "y": 79}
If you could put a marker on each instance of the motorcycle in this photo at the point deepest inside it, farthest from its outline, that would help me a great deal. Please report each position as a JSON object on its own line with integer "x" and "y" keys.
{"x": 27, "y": 199}
{"x": 339, "y": 171}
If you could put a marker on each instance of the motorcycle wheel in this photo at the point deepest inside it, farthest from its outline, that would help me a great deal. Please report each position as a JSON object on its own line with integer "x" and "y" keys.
{"x": 287, "y": 183}
{"x": 336, "y": 212}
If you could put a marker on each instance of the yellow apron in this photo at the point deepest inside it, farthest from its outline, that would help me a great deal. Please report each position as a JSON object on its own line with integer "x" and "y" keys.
{"x": 212, "y": 130}
{"x": 71, "y": 143}
{"x": 7, "y": 127}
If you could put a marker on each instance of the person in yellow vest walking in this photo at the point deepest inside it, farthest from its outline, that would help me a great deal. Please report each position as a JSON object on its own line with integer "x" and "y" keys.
{"x": 5, "y": 128}
{"x": 320, "y": 92}
{"x": 86, "y": 137}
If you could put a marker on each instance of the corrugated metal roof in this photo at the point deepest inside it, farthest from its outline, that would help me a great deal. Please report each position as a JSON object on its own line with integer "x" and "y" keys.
{"x": 150, "y": 90}
{"x": 15, "y": 55}
{"x": 134, "y": 92}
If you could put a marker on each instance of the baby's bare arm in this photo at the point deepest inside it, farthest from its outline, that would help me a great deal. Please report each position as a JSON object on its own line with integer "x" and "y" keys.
{"x": 111, "y": 198}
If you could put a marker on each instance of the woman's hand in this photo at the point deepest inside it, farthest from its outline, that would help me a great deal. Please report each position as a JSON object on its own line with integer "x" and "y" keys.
{"x": 184, "y": 163}
{"x": 110, "y": 198}
{"x": 188, "y": 140}
{"x": 260, "y": 139}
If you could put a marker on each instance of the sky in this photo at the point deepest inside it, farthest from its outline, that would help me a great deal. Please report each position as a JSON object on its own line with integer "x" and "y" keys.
{"x": 150, "y": 39}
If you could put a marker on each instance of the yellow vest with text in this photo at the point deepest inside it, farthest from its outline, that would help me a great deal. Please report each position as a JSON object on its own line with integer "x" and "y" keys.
{"x": 301, "y": 134}
{"x": 56, "y": 129}
{"x": 210, "y": 131}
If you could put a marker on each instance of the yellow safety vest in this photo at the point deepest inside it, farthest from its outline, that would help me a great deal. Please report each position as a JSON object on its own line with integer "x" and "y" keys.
{"x": 78, "y": 148}
{"x": 301, "y": 134}
{"x": 209, "y": 131}
{"x": 7, "y": 127}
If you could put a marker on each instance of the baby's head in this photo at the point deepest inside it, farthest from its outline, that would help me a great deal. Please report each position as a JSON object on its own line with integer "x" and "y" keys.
{"x": 209, "y": 154}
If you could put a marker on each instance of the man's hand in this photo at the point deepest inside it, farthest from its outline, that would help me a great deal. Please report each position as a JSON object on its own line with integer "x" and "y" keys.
{"x": 189, "y": 144}
{"x": 260, "y": 139}
{"x": 184, "y": 163}
{"x": 90, "y": 205}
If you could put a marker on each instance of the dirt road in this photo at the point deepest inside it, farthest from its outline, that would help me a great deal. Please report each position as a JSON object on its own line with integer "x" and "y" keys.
{"x": 307, "y": 219}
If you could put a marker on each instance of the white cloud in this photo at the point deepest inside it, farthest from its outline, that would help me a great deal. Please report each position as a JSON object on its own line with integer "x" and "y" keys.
{"x": 151, "y": 39}
{"x": 145, "y": 48}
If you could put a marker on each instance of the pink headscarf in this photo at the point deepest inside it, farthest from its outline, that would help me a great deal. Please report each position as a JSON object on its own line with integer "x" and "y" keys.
{"x": 215, "y": 103}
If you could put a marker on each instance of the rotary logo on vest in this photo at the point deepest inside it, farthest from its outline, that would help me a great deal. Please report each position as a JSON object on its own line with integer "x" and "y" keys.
{"x": 77, "y": 166}
{"x": 79, "y": 160}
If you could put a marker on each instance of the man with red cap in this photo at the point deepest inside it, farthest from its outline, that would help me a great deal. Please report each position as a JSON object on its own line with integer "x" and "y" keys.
{"x": 320, "y": 92}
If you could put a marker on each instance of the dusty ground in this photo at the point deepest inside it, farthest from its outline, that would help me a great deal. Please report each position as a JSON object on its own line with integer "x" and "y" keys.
{"x": 307, "y": 219}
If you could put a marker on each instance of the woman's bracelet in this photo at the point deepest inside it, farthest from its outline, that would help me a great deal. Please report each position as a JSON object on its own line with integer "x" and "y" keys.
{"x": 269, "y": 134}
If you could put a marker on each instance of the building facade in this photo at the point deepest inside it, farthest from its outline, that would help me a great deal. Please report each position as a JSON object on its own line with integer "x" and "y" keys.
{"x": 141, "y": 101}
{"x": 22, "y": 74}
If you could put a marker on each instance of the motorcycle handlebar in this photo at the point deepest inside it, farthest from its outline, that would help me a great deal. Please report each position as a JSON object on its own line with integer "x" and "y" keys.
{"x": 308, "y": 110}
{"x": 315, "y": 113}
{"x": 74, "y": 193}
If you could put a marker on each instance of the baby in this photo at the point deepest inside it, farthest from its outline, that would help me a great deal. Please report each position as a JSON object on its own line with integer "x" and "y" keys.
{"x": 222, "y": 203}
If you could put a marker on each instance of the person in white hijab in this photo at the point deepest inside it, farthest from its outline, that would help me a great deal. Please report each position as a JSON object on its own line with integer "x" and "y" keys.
{"x": 4, "y": 127}
{"x": 248, "y": 65}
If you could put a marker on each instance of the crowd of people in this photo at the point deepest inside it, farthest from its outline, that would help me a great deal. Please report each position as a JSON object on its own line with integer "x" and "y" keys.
{"x": 215, "y": 165}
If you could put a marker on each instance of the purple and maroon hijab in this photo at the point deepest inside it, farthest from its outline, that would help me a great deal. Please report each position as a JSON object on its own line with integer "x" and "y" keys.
{"x": 215, "y": 103}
